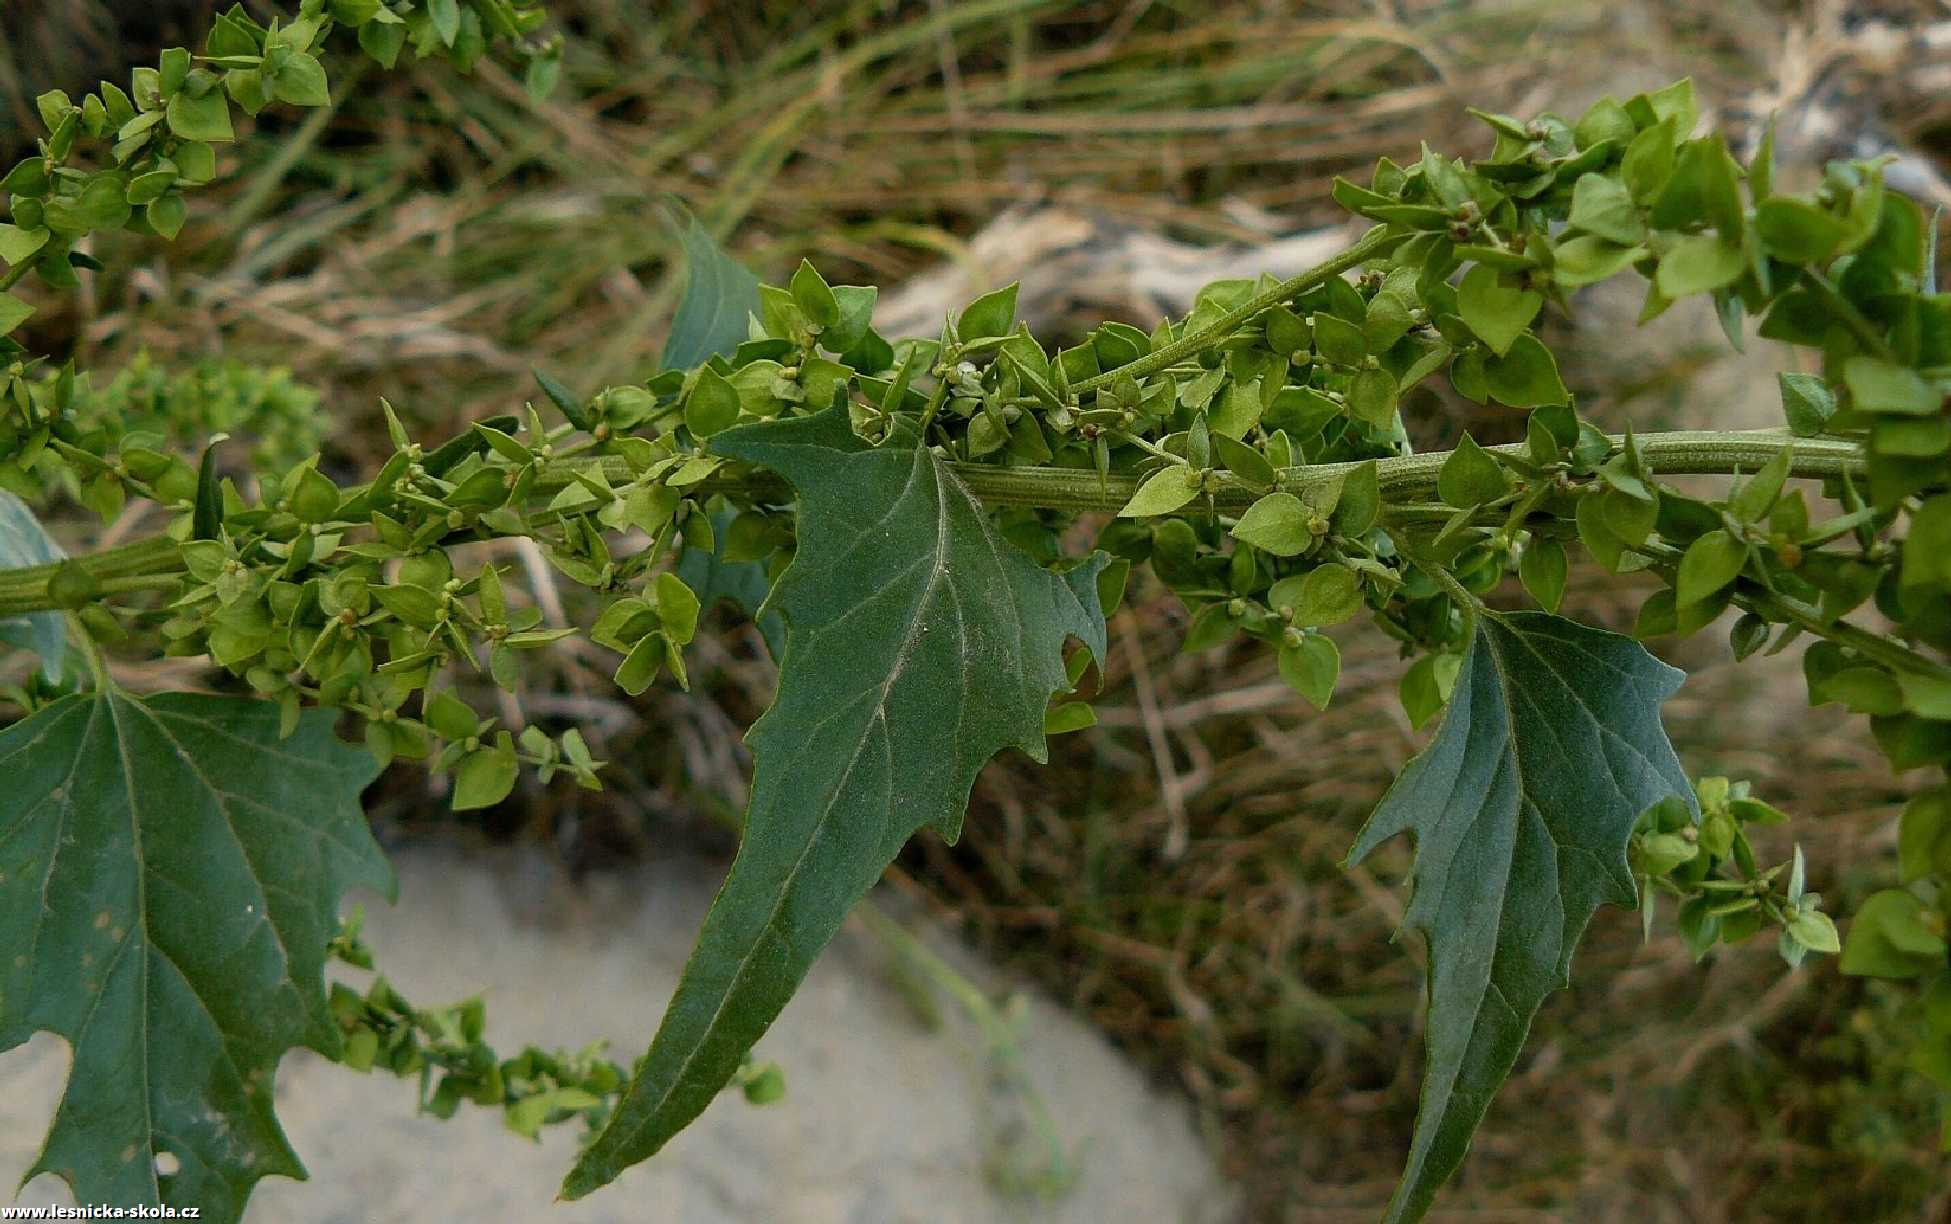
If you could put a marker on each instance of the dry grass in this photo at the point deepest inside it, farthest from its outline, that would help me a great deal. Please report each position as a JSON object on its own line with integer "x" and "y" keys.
{"x": 1173, "y": 874}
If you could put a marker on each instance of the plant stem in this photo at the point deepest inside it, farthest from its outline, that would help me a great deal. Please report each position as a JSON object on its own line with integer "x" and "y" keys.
{"x": 1406, "y": 478}
{"x": 1783, "y": 610}
{"x": 1870, "y": 645}
{"x": 1376, "y": 242}
{"x": 1411, "y": 478}
{"x": 85, "y": 642}
{"x": 1846, "y": 310}
{"x": 1466, "y": 602}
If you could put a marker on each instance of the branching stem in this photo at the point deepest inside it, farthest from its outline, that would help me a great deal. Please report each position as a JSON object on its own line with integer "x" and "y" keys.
{"x": 1375, "y": 243}
{"x": 1403, "y": 479}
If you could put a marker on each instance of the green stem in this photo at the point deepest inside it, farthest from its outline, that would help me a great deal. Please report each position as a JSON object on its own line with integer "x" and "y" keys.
{"x": 1846, "y": 310}
{"x": 1460, "y": 595}
{"x": 85, "y": 642}
{"x": 1376, "y": 242}
{"x": 935, "y": 400}
{"x": 1783, "y": 610}
{"x": 1870, "y": 645}
{"x": 1411, "y": 478}
{"x": 1406, "y": 478}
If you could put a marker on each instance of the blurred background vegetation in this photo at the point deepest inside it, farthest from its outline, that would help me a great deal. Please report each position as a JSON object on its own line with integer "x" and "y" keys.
{"x": 1174, "y": 875}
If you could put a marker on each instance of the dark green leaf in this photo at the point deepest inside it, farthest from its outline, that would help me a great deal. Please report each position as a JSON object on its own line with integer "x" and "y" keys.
{"x": 919, "y": 645}
{"x": 711, "y": 320}
{"x": 182, "y": 953}
{"x": 24, "y": 542}
{"x": 207, "y": 516}
{"x": 572, "y": 406}
{"x": 741, "y": 583}
{"x": 1521, "y": 808}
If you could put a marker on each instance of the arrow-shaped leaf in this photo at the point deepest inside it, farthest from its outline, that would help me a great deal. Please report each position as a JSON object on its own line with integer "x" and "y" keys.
{"x": 919, "y": 644}
{"x": 1521, "y": 808}
{"x": 170, "y": 872}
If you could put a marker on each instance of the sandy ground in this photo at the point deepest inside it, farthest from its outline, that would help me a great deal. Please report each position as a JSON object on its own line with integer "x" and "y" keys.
{"x": 885, "y": 1120}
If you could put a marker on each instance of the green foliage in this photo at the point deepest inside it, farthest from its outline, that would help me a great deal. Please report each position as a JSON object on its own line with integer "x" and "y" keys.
{"x": 903, "y": 519}
{"x": 148, "y": 416}
{"x": 710, "y": 321}
{"x": 918, "y": 646}
{"x": 533, "y": 1089}
{"x": 153, "y": 141}
{"x": 1521, "y": 808}
{"x": 180, "y": 952}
